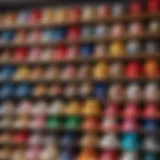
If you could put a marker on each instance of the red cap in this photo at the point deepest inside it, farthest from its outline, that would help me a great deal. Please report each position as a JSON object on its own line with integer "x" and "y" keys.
{"x": 73, "y": 33}
{"x": 20, "y": 54}
{"x": 59, "y": 52}
{"x": 134, "y": 70}
{"x": 151, "y": 111}
{"x": 153, "y": 6}
{"x": 112, "y": 110}
{"x": 132, "y": 110}
{"x": 109, "y": 155}
{"x": 35, "y": 16}
{"x": 20, "y": 137}
{"x": 74, "y": 14}
{"x": 135, "y": 7}
{"x": 91, "y": 123}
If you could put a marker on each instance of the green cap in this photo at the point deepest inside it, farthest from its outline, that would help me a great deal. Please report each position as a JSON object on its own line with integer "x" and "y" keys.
{"x": 73, "y": 122}
{"x": 54, "y": 122}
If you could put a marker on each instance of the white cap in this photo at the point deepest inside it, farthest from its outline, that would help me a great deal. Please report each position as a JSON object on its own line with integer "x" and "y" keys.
{"x": 129, "y": 156}
{"x": 133, "y": 92}
{"x": 56, "y": 107}
{"x": 110, "y": 141}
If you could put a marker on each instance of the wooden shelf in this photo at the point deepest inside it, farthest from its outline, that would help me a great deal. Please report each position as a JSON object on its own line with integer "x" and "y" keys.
{"x": 91, "y": 80}
{"x": 77, "y": 145}
{"x": 144, "y": 36}
{"x": 48, "y": 98}
{"x": 109, "y": 19}
{"x": 141, "y": 151}
{"x": 65, "y": 115}
{"x": 119, "y": 132}
{"x": 79, "y": 60}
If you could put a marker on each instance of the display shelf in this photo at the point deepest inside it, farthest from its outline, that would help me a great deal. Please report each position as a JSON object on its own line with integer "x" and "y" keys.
{"x": 80, "y": 60}
{"x": 119, "y": 116}
{"x": 76, "y": 80}
{"x": 65, "y": 98}
{"x": 81, "y": 130}
{"x": 109, "y": 19}
{"x": 10, "y": 47}
{"x": 78, "y": 145}
{"x": 141, "y": 151}
{"x": 143, "y": 36}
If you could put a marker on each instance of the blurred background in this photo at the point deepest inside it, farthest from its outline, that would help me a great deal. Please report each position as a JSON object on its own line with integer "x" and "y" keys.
{"x": 79, "y": 80}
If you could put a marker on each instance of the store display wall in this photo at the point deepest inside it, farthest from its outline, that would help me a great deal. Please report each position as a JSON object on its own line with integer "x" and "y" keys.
{"x": 80, "y": 82}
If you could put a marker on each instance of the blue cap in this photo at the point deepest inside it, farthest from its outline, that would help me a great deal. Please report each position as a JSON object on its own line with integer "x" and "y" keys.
{"x": 7, "y": 72}
{"x": 130, "y": 142}
{"x": 7, "y": 91}
{"x": 150, "y": 125}
{"x": 67, "y": 155}
{"x": 23, "y": 90}
{"x": 68, "y": 140}
{"x": 86, "y": 50}
{"x": 100, "y": 91}
{"x": 7, "y": 36}
{"x": 59, "y": 33}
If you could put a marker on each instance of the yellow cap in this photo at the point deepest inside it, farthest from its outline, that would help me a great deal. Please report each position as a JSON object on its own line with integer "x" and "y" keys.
{"x": 60, "y": 15}
{"x": 22, "y": 73}
{"x": 100, "y": 71}
{"x": 92, "y": 108}
{"x": 40, "y": 90}
{"x": 117, "y": 48}
{"x": 47, "y": 15}
{"x": 73, "y": 108}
